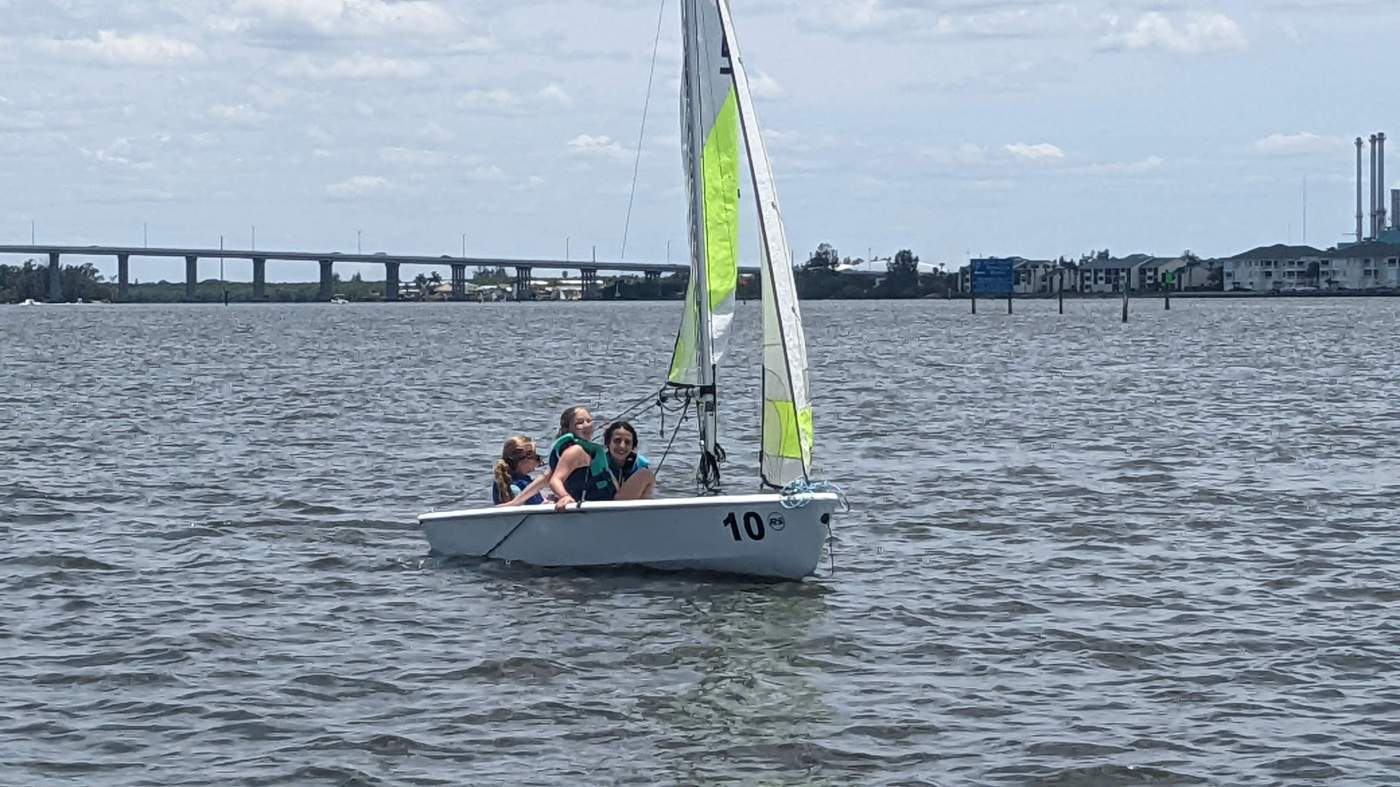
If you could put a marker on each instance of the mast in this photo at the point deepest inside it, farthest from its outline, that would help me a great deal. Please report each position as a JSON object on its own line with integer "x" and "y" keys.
{"x": 707, "y": 404}
{"x": 710, "y": 135}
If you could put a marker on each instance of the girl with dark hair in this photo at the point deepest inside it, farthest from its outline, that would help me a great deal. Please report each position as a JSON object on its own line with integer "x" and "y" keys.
{"x": 629, "y": 475}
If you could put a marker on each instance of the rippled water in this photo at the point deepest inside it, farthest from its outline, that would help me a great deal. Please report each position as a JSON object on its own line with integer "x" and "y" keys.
{"x": 1081, "y": 552}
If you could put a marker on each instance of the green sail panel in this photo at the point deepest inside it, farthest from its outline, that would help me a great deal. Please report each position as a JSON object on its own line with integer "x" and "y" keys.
{"x": 710, "y": 135}
{"x": 721, "y": 167}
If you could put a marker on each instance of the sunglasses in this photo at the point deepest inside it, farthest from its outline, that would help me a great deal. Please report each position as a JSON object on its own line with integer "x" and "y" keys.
{"x": 535, "y": 455}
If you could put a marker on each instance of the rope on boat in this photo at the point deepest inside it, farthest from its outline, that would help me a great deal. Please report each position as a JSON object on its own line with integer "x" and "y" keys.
{"x": 684, "y": 413}
{"x": 798, "y": 494}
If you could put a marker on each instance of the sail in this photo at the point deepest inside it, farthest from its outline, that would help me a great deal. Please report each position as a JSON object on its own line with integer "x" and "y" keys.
{"x": 710, "y": 136}
{"x": 786, "y": 452}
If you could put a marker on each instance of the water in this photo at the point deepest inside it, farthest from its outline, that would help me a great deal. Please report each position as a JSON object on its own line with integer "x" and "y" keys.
{"x": 1082, "y": 552}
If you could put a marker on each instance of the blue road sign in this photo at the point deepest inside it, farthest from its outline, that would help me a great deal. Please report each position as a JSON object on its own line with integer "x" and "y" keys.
{"x": 992, "y": 277}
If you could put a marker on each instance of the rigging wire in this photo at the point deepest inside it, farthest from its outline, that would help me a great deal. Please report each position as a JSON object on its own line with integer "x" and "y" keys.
{"x": 685, "y": 413}
{"x": 641, "y": 135}
{"x": 635, "y": 407}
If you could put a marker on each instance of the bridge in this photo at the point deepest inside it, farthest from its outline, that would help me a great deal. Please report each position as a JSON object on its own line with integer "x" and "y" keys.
{"x": 588, "y": 270}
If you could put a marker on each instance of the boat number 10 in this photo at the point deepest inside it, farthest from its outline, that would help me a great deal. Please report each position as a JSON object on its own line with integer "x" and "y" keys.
{"x": 754, "y": 526}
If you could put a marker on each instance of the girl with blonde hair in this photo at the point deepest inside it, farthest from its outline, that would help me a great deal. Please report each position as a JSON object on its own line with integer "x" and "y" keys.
{"x": 512, "y": 485}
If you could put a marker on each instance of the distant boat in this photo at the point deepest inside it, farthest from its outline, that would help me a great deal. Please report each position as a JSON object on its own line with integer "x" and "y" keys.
{"x": 29, "y": 302}
{"x": 339, "y": 299}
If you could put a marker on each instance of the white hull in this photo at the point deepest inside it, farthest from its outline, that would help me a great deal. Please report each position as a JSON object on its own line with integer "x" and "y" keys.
{"x": 738, "y": 534}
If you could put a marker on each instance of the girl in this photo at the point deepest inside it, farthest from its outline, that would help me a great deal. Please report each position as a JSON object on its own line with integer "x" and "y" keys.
{"x": 512, "y": 485}
{"x": 628, "y": 474}
{"x": 581, "y": 469}
{"x": 571, "y": 455}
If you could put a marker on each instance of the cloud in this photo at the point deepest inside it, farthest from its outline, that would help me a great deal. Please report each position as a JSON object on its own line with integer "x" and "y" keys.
{"x": 238, "y": 114}
{"x": 412, "y": 156}
{"x": 1196, "y": 33}
{"x": 963, "y": 154}
{"x": 271, "y": 96}
{"x": 108, "y": 156}
{"x": 503, "y": 101}
{"x": 1114, "y": 168}
{"x": 851, "y": 16}
{"x": 896, "y": 19}
{"x": 357, "y": 186}
{"x": 357, "y": 67}
{"x": 130, "y": 196}
{"x": 433, "y": 131}
{"x": 1043, "y": 151}
{"x": 553, "y": 92}
{"x": 485, "y": 173}
{"x": 142, "y": 49}
{"x": 494, "y": 100}
{"x": 600, "y": 146}
{"x": 320, "y": 135}
{"x": 337, "y": 18}
{"x": 765, "y": 86}
{"x": 136, "y": 152}
{"x": 1302, "y": 143}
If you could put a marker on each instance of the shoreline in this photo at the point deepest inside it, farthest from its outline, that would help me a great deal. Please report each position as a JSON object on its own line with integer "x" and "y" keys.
{"x": 963, "y": 297}
{"x": 1202, "y": 294}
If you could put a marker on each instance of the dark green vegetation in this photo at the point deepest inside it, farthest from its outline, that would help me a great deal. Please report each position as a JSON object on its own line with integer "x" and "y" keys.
{"x": 826, "y": 275}
{"x": 31, "y": 280}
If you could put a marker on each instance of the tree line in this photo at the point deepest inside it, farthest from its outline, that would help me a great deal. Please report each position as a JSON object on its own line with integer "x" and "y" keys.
{"x": 826, "y": 274}
{"x": 19, "y": 283}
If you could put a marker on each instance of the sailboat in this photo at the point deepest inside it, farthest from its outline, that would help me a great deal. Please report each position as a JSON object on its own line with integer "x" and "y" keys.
{"x": 779, "y": 533}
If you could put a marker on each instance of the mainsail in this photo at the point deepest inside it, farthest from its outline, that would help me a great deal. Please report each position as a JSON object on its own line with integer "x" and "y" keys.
{"x": 716, "y": 112}
{"x": 710, "y": 132}
{"x": 786, "y": 453}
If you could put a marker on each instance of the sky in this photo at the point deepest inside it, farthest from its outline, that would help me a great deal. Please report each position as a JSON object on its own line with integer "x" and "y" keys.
{"x": 953, "y": 128}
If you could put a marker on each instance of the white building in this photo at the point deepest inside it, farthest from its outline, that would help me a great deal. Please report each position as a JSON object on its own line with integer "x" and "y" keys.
{"x": 1152, "y": 273}
{"x": 1196, "y": 275}
{"x": 1366, "y": 266}
{"x": 1363, "y": 266}
{"x": 1035, "y": 277}
{"x": 1110, "y": 274}
{"x": 1267, "y": 268}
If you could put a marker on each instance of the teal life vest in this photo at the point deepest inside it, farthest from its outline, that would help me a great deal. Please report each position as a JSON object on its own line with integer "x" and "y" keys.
{"x": 605, "y": 486}
{"x": 602, "y": 478}
{"x": 578, "y": 482}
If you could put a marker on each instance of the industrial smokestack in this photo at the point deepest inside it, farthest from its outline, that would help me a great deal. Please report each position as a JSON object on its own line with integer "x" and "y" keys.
{"x": 1395, "y": 209}
{"x": 1372, "y": 233}
{"x": 1380, "y": 184}
{"x": 1359, "y": 236}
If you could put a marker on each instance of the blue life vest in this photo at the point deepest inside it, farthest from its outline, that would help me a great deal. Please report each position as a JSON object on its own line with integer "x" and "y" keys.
{"x": 518, "y": 483}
